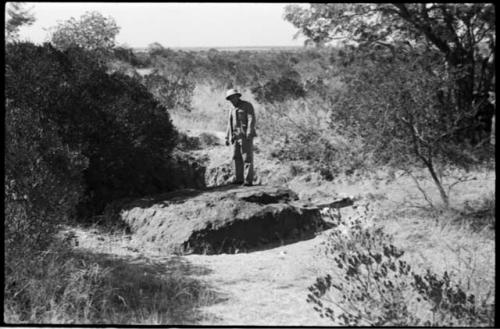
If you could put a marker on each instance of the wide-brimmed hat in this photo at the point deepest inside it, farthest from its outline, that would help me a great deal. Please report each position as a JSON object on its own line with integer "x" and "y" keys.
{"x": 232, "y": 92}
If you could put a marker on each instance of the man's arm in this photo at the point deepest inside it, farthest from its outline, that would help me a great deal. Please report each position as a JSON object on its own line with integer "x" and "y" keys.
{"x": 229, "y": 130}
{"x": 251, "y": 121}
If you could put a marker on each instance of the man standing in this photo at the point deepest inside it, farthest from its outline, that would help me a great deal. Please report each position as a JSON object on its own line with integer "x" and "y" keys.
{"x": 240, "y": 132}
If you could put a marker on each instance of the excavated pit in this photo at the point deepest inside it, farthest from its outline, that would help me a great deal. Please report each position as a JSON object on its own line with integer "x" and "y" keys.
{"x": 272, "y": 226}
{"x": 226, "y": 219}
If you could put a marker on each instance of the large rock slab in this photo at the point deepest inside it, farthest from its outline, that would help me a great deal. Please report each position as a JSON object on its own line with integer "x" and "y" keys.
{"x": 225, "y": 219}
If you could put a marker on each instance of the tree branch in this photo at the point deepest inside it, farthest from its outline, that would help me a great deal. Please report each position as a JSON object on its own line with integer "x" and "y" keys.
{"x": 405, "y": 14}
{"x": 448, "y": 18}
{"x": 419, "y": 187}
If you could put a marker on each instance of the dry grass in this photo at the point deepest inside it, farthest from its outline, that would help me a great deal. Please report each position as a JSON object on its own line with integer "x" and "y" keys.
{"x": 139, "y": 286}
{"x": 459, "y": 240}
{"x": 209, "y": 110}
{"x": 96, "y": 284}
{"x": 111, "y": 279}
{"x": 449, "y": 241}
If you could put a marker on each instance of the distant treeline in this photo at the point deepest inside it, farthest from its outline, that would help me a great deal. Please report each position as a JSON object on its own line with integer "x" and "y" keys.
{"x": 271, "y": 75}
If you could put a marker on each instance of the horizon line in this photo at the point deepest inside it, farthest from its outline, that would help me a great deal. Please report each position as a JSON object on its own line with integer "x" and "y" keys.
{"x": 258, "y": 46}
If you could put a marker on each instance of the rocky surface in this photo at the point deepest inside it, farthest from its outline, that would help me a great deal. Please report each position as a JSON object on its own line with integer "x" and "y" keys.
{"x": 187, "y": 171}
{"x": 224, "y": 219}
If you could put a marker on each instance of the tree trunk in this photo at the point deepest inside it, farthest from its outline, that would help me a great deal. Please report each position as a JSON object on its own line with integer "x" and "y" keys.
{"x": 465, "y": 84}
{"x": 492, "y": 135}
{"x": 438, "y": 183}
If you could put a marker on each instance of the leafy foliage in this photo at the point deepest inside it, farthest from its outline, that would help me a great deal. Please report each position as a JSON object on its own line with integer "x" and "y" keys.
{"x": 397, "y": 103}
{"x": 300, "y": 130}
{"x": 377, "y": 287}
{"x": 464, "y": 35}
{"x": 224, "y": 69}
{"x": 170, "y": 93}
{"x": 43, "y": 184}
{"x": 17, "y": 16}
{"x": 92, "y": 31}
{"x": 279, "y": 91}
{"x": 76, "y": 138}
{"x": 125, "y": 134}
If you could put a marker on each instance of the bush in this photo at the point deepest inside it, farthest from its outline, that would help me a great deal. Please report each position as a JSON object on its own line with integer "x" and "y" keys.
{"x": 299, "y": 130}
{"x": 127, "y": 55}
{"x": 208, "y": 140}
{"x": 377, "y": 287}
{"x": 112, "y": 120}
{"x": 202, "y": 141}
{"x": 401, "y": 104}
{"x": 279, "y": 90}
{"x": 43, "y": 184}
{"x": 171, "y": 93}
{"x": 186, "y": 142}
{"x": 246, "y": 69}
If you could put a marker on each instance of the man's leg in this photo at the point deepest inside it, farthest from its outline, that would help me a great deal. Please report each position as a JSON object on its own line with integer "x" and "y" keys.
{"x": 247, "y": 150}
{"x": 238, "y": 161}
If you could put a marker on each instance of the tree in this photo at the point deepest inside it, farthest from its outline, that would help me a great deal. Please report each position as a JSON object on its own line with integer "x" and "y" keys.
{"x": 155, "y": 48}
{"x": 394, "y": 102}
{"x": 17, "y": 16}
{"x": 172, "y": 94}
{"x": 92, "y": 32}
{"x": 111, "y": 119}
{"x": 286, "y": 87}
{"x": 464, "y": 34}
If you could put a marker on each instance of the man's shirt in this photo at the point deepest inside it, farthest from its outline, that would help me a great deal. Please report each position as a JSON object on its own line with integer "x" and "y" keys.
{"x": 241, "y": 120}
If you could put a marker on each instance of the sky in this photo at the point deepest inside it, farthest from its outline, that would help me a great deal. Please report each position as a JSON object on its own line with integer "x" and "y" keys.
{"x": 176, "y": 24}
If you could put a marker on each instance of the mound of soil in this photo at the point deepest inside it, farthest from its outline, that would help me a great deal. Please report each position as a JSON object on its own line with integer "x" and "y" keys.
{"x": 224, "y": 219}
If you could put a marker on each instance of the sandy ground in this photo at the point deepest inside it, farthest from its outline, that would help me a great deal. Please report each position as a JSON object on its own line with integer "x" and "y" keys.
{"x": 269, "y": 287}
{"x": 266, "y": 287}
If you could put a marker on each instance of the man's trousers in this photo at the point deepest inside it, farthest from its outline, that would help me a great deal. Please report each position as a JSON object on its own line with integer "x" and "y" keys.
{"x": 243, "y": 160}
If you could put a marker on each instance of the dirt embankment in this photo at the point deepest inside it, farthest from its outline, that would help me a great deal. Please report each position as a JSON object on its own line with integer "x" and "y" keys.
{"x": 225, "y": 219}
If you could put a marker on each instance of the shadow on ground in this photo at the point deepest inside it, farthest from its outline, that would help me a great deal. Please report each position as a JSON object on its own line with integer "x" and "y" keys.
{"x": 221, "y": 219}
{"x": 143, "y": 291}
{"x": 178, "y": 196}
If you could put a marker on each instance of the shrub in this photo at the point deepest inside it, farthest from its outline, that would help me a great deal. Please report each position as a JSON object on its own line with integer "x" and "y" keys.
{"x": 171, "y": 93}
{"x": 92, "y": 31}
{"x": 480, "y": 213}
{"x": 186, "y": 142}
{"x": 377, "y": 287}
{"x": 207, "y": 139}
{"x": 43, "y": 184}
{"x": 400, "y": 104}
{"x": 298, "y": 130}
{"x": 112, "y": 120}
{"x": 279, "y": 90}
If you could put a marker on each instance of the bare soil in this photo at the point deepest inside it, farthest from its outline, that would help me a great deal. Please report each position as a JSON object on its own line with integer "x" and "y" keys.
{"x": 269, "y": 287}
{"x": 266, "y": 287}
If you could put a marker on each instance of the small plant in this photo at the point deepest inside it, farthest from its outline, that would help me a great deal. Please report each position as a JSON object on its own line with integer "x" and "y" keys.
{"x": 450, "y": 304}
{"x": 208, "y": 140}
{"x": 371, "y": 289}
{"x": 376, "y": 286}
{"x": 185, "y": 142}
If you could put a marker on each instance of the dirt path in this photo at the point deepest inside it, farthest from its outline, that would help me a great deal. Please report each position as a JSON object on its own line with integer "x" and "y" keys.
{"x": 266, "y": 287}
{"x": 269, "y": 287}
